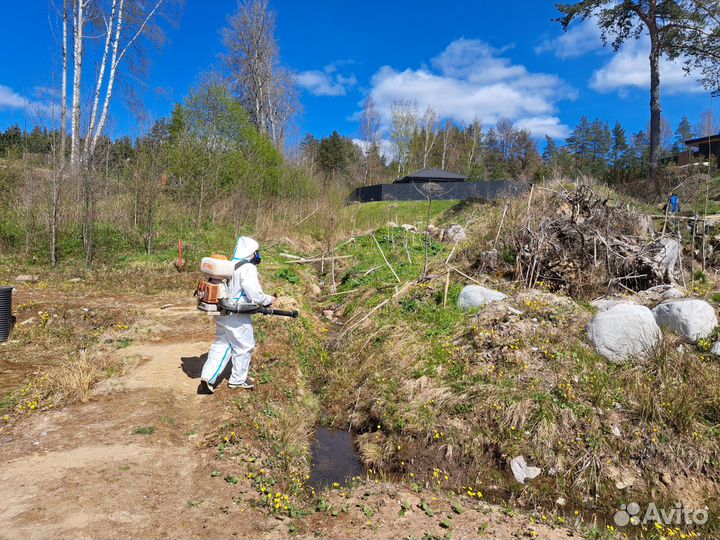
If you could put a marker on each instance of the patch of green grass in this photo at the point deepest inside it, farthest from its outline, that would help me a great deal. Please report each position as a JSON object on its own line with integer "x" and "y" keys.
{"x": 8, "y": 402}
{"x": 123, "y": 343}
{"x": 288, "y": 275}
{"x": 144, "y": 430}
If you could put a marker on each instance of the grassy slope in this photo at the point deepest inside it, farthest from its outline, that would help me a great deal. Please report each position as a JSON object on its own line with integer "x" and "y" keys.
{"x": 448, "y": 397}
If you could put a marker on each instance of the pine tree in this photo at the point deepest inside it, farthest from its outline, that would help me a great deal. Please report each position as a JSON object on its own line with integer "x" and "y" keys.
{"x": 600, "y": 143}
{"x": 578, "y": 143}
{"x": 550, "y": 151}
{"x": 619, "y": 154}
{"x": 683, "y": 132}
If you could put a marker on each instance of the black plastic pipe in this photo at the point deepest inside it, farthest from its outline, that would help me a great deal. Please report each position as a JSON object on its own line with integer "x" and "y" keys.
{"x": 6, "y": 317}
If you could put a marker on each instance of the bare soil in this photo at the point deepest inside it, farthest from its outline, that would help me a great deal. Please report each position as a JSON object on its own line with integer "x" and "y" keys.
{"x": 90, "y": 470}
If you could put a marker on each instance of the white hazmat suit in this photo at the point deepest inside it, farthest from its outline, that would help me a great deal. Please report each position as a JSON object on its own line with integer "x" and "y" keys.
{"x": 235, "y": 339}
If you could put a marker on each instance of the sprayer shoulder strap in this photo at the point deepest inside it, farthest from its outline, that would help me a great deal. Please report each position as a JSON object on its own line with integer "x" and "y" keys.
{"x": 241, "y": 262}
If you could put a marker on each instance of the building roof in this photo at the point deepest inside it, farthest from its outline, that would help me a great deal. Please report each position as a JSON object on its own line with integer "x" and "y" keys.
{"x": 701, "y": 140}
{"x": 431, "y": 175}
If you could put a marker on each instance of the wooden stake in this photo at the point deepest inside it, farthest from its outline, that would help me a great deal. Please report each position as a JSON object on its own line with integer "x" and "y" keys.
{"x": 320, "y": 260}
{"x": 464, "y": 274}
{"x": 407, "y": 251}
{"x": 692, "y": 251}
{"x": 447, "y": 286}
{"x": 502, "y": 220}
{"x": 334, "y": 285}
{"x": 532, "y": 188}
{"x": 385, "y": 258}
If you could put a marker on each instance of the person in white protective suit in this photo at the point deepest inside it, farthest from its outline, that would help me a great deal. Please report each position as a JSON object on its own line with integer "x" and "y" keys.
{"x": 235, "y": 339}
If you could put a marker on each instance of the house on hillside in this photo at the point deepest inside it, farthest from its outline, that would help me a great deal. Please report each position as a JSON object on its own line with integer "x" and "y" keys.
{"x": 424, "y": 176}
{"x": 699, "y": 150}
{"x": 451, "y": 186}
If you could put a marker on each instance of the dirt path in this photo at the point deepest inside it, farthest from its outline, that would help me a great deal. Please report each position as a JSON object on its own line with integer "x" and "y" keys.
{"x": 99, "y": 470}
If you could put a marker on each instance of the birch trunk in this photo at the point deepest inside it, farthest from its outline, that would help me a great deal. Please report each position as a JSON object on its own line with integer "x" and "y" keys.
{"x": 78, "y": 25}
{"x": 103, "y": 64}
{"x": 116, "y": 59}
{"x": 59, "y": 160}
{"x": 444, "y": 152}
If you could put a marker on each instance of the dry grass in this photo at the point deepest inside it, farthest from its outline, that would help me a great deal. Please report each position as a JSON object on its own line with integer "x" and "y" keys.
{"x": 72, "y": 380}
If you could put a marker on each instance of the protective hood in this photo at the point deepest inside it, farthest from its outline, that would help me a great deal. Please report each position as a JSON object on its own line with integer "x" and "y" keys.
{"x": 245, "y": 248}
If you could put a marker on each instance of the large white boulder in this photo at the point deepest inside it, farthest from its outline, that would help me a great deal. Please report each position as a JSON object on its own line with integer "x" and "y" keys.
{"x": 473, "y": 296}
{"x": 691, "y": 318}
{"x": 623, "y": 332}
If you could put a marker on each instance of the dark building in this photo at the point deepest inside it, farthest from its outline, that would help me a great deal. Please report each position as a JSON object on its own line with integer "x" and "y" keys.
{"x": 451, "y": 186}
{"x": 424, "y": 176}
{"x": 699, "y": 150}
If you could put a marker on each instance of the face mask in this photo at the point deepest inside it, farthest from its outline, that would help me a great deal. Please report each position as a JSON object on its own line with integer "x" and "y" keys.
{"x": 256, "y": 260}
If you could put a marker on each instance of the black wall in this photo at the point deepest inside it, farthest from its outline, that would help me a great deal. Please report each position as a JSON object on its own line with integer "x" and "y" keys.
{"x": 487, "y": 190}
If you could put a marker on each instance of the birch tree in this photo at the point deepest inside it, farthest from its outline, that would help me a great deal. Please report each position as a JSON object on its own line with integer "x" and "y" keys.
{"x": 404, "y": 117}
{"x": 58, "y": 148}
{"x": 474, "y": 132}
{"x": 708, "y": 125}
{"x": 445, "y": 143}
{"x": 79, "y": 21}
{"x": 370, "y": 133}
{"x": 429, "y": 129}
{"x": 266, "y": 89}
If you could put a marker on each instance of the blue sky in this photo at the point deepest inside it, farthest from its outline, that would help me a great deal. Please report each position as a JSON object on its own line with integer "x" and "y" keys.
{"x": 465, "y": 59}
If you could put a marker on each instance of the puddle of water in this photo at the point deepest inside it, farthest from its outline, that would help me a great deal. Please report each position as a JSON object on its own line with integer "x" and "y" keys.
{"x": 334, "y": 458}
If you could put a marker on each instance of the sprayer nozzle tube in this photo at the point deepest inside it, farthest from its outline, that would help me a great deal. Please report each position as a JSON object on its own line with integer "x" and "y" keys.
{"x": 252, "y": 309}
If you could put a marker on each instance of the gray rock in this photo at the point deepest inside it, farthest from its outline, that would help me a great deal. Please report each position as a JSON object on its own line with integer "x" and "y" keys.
{"x": 691, "y": 318}
{"x": 522, "y": 471}
{"x": 314, "y": 290}
{"x": 716, "y": 349}
{"x": 673, "y": 293}
{"x": 27, "y": 278}
{"x": 623, "y": 332}
{"x": 408, "y": 227}
{"x": 473, "y": 296}
{"x": 455, "y": 233}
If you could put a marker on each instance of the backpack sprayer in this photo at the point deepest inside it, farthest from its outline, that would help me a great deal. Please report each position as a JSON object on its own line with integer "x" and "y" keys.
{"x": 212, "y": 291}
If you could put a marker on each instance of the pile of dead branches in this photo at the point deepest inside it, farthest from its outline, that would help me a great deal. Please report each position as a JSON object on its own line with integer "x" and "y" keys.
{"x": 584, "y": 244}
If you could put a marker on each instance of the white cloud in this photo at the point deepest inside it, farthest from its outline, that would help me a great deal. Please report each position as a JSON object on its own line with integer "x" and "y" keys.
{"x": 387, "y": 149}
{"x": 545, "y": 125}
{"x": 9, "y": 99}
{"x": 471, "y": 80}
{"x": 326, "y": 82}
{"x": 625, "y": 69}
{"x": 580, "y": 39}
{"x": 630, "y": 68}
